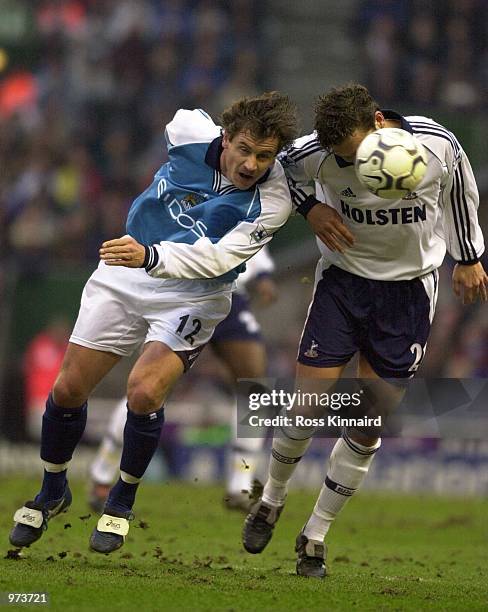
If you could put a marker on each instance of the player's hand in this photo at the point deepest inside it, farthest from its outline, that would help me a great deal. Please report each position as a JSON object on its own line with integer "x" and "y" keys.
{"x": 123, "y": 251}
{"x": 328, "y": 225}
{"x": 470, "y": 283}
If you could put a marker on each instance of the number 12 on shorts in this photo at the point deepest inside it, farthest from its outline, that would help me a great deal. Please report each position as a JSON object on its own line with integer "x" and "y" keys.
{"x": 195, "y": 326}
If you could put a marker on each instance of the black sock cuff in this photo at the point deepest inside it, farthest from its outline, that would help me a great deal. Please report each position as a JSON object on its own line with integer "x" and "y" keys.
{"x": 141, "y": 422}
{"x": 58, "y": 413}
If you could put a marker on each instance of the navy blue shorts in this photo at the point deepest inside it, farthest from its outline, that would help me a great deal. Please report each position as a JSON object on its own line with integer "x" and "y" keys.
{"x": 240, "y": 323}
{"x": 387, "y": 321}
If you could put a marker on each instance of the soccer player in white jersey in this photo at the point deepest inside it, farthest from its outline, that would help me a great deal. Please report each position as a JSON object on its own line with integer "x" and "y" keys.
{"x": 238, "y": 343}
{"x": 165, "y": 285}
{"x": 375, "y": 290}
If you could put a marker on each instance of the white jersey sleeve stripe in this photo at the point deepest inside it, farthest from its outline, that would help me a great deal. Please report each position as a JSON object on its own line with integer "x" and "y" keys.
{"x": 465, "y": 216}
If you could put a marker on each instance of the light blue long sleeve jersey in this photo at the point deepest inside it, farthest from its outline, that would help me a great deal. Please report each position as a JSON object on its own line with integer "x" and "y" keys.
{"x": 196, "y": 224}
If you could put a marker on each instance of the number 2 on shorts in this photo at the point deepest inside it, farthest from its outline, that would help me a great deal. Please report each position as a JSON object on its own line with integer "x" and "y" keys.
{"x": 418, "y": 350}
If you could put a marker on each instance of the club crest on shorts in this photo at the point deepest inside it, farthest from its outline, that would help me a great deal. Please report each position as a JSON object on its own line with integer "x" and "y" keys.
{"x": 312, "y": 352}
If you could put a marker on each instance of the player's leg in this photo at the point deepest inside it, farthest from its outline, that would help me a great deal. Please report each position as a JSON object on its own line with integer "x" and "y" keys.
{"x": 323, "y": 354}
{"x": 400, "y": 319}
{"x": 289, "y": 446}
{"x": 291, "y": 443}
{"x": 63, "y": 425}
{"x": 109, "y": 326}
{"x": 150, "y": 381}
{"x": 177, "y": 334}
{"x": 246, "y": 358}
{"x": 105, "y": 466}
{"x": 348, "y": 465}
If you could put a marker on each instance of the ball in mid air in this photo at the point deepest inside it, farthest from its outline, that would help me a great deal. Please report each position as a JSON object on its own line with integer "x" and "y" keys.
{"x": 390, "y": 163}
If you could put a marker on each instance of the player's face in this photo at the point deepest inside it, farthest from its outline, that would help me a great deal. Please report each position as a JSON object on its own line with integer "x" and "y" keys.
{"x": 245, "y": 158}
{"x": 348, "y": 147}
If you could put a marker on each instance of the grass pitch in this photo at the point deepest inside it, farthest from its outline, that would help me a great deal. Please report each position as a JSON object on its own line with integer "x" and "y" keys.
{"x": 386, "y": 552}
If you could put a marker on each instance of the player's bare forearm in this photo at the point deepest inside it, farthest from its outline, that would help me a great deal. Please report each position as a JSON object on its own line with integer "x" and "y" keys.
{"x": 328, "y": 225}
{"x": 123, "y": 251}
{"x": 470, "y": 283}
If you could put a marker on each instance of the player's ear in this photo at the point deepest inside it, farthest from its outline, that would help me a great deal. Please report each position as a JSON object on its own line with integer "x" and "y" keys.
{"x": 379, "y": 120}
{"x": 225, "y": 140}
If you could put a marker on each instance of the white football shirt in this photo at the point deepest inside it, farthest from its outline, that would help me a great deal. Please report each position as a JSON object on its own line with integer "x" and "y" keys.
{"x": 394, "y": 239}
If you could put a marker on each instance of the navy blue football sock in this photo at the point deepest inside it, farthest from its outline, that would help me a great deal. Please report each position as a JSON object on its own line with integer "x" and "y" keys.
{"x": 122, "y": 496}
{"x": 141, "y": 439}
{"x": 53, "y": 486}
{"x": 62, "y": 429}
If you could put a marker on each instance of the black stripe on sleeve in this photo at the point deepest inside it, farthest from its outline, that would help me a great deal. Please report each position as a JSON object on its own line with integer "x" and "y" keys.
{"x": 298, "y": 195}
{"x": 457, "y": 223}
{"x": 307, "y": 206}
{"x": 471, "y": 249}
{"x": 297, "y": 153}
{"x": 433, "y": 130}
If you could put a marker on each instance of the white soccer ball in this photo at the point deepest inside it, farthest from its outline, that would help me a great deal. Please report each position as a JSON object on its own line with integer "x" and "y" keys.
{"x": 391, "y": 163}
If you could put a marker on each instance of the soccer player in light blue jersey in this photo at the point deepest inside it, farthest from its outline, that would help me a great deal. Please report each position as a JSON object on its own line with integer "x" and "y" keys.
{"x": 165, "y": 285}
{"x": 239, "y": 345}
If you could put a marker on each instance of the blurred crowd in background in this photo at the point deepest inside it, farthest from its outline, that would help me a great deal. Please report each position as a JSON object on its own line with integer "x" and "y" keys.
{"x": 433, "y": 54}
{"x": 86, "y": 87}
{"x": 427, "y": 52}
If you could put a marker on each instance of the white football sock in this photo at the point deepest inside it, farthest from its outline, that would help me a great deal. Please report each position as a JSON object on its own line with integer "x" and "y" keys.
{"x": 348, "y": 465}
{"x": 285, "y": 455}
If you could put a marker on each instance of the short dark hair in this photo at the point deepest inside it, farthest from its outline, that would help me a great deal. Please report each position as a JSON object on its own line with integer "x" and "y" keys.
{"x": 342, "y": 111}
{"x": 265, "y": 116}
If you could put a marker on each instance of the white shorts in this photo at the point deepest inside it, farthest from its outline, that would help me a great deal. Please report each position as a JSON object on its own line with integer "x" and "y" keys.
{"x": 122, "y": 308}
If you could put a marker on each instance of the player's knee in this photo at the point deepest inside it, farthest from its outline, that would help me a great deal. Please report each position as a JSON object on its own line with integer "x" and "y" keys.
{"x": 143, "y": 397}
{"x": 69, "y": 391}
